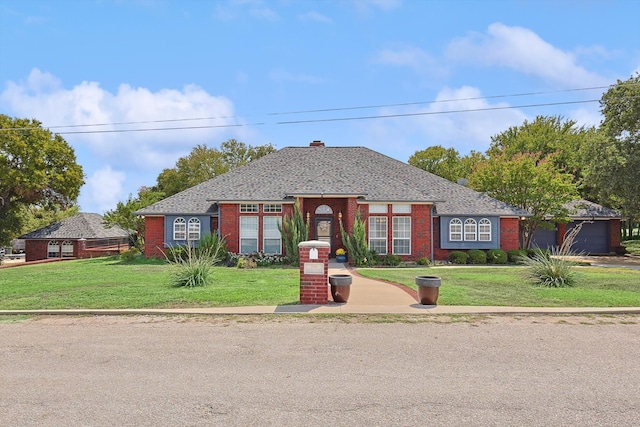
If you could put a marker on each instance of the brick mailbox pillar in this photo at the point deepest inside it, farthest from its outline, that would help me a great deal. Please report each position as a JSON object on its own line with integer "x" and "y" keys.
{"x": 314, "y": 272}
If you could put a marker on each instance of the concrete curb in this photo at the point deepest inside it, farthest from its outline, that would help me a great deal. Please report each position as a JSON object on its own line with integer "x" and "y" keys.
{"x": 333, "y": 308}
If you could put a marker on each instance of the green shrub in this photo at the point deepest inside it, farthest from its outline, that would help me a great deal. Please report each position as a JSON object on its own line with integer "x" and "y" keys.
{"x": 496, "y": 256}
{"x": 476, "y": 256}
{"x": 423, "y": 261}
{"x": 392, "y": 260}
{"x": 458, "y": 257}
{"x": 372, "y": 259}
{"x": 514, "y": 255}
{"x": 130, "y": 254}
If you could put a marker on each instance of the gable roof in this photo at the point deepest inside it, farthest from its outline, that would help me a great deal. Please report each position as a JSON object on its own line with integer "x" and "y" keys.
{"x": 330, "y": 171}
{"x": 585, "y": 209}
{"x": 81, "y": 226}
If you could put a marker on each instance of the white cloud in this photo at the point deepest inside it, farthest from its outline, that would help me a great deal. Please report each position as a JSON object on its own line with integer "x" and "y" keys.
{"x": 523, "y": 50}
{"x": 413, "y": 57}
{"x": 443, "y": 123}
{"x": 365, "y": 5}
{"x": 103, "y": 190}
{"x": 43, "y": 97}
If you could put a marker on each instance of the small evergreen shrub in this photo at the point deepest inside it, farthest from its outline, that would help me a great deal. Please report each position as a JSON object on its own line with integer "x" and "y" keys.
{"x": 423, "y": 261}
{"x": 391, "y": 260}
{"x": 476, "y": 256}
{"x": 514, "y": 255}
{"x": 496, "y": 256}
{"x": 130, "y": 254}
{"x": 372, "y": 259}
{"x": 458, "y": 257}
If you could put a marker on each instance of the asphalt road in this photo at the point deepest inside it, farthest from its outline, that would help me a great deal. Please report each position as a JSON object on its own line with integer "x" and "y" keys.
{"x": 310, "y": 371}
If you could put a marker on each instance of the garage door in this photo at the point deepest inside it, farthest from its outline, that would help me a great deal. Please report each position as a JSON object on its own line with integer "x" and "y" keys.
{"x": 593, "y": 238}
{"x": 544, "y": 239}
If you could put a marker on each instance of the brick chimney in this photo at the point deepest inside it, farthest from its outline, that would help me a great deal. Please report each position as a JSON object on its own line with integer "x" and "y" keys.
{"x": 317, "y": 144}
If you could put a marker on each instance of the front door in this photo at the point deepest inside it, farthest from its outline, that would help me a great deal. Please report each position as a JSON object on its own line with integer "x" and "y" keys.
{"x": 324, "y": 231}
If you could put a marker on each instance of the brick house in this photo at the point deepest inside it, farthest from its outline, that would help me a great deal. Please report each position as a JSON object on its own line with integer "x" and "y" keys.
{"x": 407, "y": 211}
{"x": 80, "y": 236}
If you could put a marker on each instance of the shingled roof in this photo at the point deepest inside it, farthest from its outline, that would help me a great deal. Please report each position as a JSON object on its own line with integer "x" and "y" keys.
{"x": 585, "y": 209}
{"x": 335, "y": 172}
{"x": 81, "y": 226}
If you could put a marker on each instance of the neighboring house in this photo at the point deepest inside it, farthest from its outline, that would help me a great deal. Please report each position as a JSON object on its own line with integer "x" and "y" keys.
{"x": 80, "y": 236}
{"x": 407, "y": 211}
{"x": 600, "y": 232}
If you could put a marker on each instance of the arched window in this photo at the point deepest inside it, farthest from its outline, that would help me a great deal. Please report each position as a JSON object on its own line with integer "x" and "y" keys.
{"x": 67, "y": 249}
{"x": 194, "y": 229}
{"x": 53, "y": 249}
{"x": 484, "y": 230}
{"x": 455, "y": 230}
{"x": 470, "y": 229}
{"x": 179, "y": 229}
{"x": 324, "y": 210}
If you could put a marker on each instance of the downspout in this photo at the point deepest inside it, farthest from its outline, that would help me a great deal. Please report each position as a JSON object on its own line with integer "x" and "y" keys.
{"x": 432, "y": 230}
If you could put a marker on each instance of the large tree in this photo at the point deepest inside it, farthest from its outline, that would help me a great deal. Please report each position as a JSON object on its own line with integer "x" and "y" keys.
{"x": 612, "y": 156}
{"x": 446, "y": 162}
{"x": 529, "y": 182}
{"x": 37, "y": 168}
{"x": 545, "y": 135}
{"x": 204, "y": 163}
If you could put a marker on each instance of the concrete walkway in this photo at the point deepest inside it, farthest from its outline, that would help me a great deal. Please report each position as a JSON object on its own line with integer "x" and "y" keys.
{"x": 367, "y": 296}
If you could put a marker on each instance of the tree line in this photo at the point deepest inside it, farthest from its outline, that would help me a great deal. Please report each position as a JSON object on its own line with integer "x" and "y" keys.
{"x": 538, "y": 166}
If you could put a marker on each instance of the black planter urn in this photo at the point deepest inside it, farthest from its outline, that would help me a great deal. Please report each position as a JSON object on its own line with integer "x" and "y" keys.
{"x": 428, "y": 289}
{"x": 340, "y": 287}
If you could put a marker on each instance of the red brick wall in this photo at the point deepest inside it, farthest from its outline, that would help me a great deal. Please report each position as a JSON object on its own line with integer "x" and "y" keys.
{"x": 614, "y": 234}
{"x": 35, "y": 250}
{"x": 420, "y": 232}
{"x": 509, "y": 233}
{"x": 153, "y": 236}
{"x": 230, "y": 225}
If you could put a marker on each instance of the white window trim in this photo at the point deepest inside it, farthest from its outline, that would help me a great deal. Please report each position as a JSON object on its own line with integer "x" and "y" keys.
{"x": 249, "y": 208}
{"x": 405, "y": 220}
{"x": 484, "y": 236}
{"x": 378, "y": 208}
{"x": 458, "y": 223}
{"x": 379, "y": 239}
{"x": 397, "y": 208}
{"x": 251, "y": 236}
{"x": 193, "y": 229}
{"x": 266, "y": 236}
{"x": 68, "y": 253}
{"x": 272, "y": 208}
{"x": 473, "y": 235}
{"x": 179, "y": 234}
{"x": 52, "y": 244}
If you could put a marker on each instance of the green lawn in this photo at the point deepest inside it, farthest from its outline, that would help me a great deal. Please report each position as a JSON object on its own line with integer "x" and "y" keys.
{"x": 597, "y": 287}
{"x": 110, "y": 283}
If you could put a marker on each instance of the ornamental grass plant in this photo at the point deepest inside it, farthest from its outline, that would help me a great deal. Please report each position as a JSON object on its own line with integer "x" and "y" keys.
{"x": 193, "y": 266}
{"x": 553, "y": 269}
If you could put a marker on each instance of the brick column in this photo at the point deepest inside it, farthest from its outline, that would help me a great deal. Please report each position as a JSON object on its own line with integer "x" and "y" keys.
{"x": 314, "y": 273}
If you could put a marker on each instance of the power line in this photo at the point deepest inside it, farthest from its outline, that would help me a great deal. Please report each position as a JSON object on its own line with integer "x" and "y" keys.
{"x": 334, "y": 119}
{"x": 381, "y": 116}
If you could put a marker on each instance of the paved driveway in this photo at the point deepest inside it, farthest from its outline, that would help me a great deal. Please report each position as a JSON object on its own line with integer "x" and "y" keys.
{"x": 310, "y": 371}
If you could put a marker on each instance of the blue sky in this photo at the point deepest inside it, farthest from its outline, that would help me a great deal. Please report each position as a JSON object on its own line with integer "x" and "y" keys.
{"x": 260, "y": 71}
